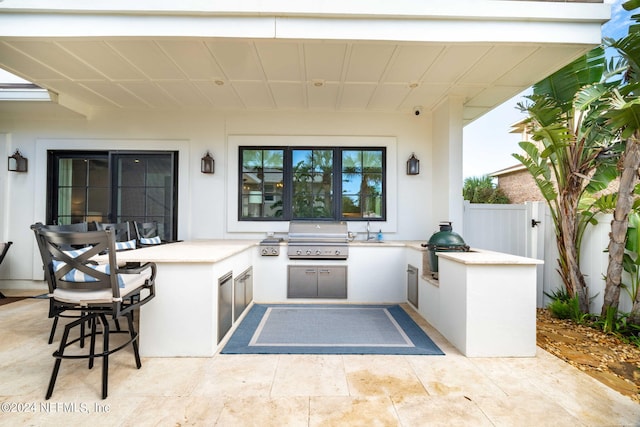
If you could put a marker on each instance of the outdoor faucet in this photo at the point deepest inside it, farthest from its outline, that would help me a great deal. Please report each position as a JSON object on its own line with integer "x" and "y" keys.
{"x": 368, "y": 231}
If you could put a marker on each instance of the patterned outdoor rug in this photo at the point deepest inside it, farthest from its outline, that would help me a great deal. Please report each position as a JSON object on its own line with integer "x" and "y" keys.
{"x": 329, "y": 329}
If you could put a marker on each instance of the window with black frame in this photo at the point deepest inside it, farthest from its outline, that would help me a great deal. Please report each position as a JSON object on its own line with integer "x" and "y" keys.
{"x": 114, "y": 186}
{"x": 332, "y": 183}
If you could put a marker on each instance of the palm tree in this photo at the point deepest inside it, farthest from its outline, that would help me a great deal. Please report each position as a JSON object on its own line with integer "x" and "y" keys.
{"x": 565, "y": 158}
{"x": 621, "y": 108}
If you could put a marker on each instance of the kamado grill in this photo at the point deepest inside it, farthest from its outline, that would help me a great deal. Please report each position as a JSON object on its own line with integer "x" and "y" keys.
{"x": 318, "y": 240}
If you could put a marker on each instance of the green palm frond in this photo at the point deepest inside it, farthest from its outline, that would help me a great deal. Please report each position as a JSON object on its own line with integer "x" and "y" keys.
{"x": 565, "y": 83}
{"x": 602, "y": 177}
{"x": 540, "y": 174}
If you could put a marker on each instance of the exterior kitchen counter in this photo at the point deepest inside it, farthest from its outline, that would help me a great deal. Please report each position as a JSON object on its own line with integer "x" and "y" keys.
{"x": 481, "y": 256}
{"x": 194, "y": 251}
{"x": 487, "y": 303}
{"x": 194, "y": 288}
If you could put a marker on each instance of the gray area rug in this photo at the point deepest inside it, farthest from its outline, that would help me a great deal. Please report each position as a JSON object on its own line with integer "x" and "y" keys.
{"x": 329, "y": 329}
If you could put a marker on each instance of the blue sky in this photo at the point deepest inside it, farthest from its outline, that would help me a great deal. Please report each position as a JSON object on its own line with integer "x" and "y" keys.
{"x": 488, "y": 145}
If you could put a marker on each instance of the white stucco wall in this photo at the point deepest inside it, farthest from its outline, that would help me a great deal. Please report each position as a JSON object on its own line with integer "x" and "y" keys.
{"x": 204, "y": 208}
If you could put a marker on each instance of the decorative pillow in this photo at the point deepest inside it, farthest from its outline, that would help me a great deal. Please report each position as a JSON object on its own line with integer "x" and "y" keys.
{"x": 150, "y": 241}
{"x": 78, "y": 276}
{"x": 121, "y": 246}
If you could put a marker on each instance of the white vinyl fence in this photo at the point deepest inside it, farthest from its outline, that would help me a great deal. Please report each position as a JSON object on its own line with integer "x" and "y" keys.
{"x": 527, "y": 230}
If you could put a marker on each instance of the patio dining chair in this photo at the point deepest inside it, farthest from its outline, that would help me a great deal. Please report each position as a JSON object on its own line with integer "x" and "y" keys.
{"x": 147, "y": 233}
{"x": 4, "y": 248}
{"x": 57, "y": 314}
{"x": 124, "y": 236}
{"x": 96, "y": 291}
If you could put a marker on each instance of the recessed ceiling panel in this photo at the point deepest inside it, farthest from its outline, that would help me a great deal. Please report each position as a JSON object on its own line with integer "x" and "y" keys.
{"x": 411, "y": 62}
{"x": 150, "y": 93}
{"x": 367, "y": 62}
{"x": 102, "y": 57}
{"x": 25, "y": 67}
{"x": 543, "y": 62}
{"x": 388, "y": 96}
{"x": 147, "y": 56}
{"x": 356, "y": 96}
{"x": 497, "y": 62}
{"x": 324, "y": 61}
{"x": 453, "y": 63}
{"x": 254, "y": 95}
{"x": 288, "y": 95}
{"x": 237, "y": 59}
{"x": 428, "y": 96}
{"x": 58, "y": 59}
{"x": 115, "y": 94}
{"x": 193, "y": 58}
{"x": 186, "y": 94}
{"x": 281, "y": 61}
{"x": 493, "y": 96}
{"x": 220, "y": 96}
{"x": 323, "y": 97}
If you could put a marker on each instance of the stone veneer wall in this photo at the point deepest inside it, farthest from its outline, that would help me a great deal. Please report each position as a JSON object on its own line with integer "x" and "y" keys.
{"x": 520, "y": 187}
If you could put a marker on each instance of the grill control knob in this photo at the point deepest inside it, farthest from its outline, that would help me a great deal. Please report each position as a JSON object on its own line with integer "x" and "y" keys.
{"x": 274, "y": 251}
{"x": 318, "y": 252}
{"x": 308, "y": 251}
{"x": 264, "y": 251}
{"x": 337, "y": 251}
{"x": 298, "y": 252}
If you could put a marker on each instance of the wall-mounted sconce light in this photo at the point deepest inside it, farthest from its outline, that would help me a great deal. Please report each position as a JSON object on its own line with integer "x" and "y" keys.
{"x": 17, "y": 163}
{"x": 207, "y": 164}
{"x": 413, "y": 165}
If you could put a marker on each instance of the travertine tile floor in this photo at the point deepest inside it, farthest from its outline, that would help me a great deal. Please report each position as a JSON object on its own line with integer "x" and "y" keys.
{"x": 295, "y": 390}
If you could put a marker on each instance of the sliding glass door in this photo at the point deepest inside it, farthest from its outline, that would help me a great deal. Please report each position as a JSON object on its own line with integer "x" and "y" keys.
{"x": 113, "y": 187}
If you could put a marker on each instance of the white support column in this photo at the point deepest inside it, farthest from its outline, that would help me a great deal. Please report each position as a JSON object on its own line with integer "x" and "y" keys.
{"x": 447, "y": 162}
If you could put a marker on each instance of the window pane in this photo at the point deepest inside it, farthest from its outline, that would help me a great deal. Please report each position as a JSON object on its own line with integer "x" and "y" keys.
{"x": 262, "y": 183}
{"x": 131, "y": 203}
{"x": 131, "y": 172}
{"x": 97, "y": 203}
{"x": 98, "y": 173}
{"x": 78, "y": 172}
{"x": 312, "y": 184}
{"x": 362, "y": 183}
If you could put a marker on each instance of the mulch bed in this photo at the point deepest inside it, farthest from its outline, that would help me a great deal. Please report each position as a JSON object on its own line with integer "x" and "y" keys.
{"x": 602, "y": 356}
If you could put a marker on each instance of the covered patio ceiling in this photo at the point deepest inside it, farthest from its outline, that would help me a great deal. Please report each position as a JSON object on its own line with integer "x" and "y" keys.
{"x": 99, "y": 61}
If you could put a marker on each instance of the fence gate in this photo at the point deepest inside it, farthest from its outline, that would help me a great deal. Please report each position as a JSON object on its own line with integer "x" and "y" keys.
{"x": 512, "y": 229}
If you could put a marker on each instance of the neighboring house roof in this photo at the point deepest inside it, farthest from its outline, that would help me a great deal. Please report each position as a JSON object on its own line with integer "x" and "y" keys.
{"x": 291, "y": 55}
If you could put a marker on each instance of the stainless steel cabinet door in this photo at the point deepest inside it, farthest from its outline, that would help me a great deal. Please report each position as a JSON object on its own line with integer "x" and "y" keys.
{"x": 303, "y": 282}
{"x": 225, "y": 304}
{"x": 332, "y": 282}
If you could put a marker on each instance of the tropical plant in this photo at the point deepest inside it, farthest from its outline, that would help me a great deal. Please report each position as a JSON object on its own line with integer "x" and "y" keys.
{"x": 631, "y": 259}
{"x": 483, "y": 190}
{"x": 566, "y": 157}
{"x": 621, "y": 108}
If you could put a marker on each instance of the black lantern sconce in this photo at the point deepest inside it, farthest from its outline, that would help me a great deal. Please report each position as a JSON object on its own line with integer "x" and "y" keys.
{"x": 413, "y": 165}
{"x": 17, "y": 163}
{"x": 207, "y": 164}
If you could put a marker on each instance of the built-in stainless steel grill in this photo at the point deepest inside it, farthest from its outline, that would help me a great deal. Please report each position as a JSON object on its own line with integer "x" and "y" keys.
{"x": 318, "y": 240}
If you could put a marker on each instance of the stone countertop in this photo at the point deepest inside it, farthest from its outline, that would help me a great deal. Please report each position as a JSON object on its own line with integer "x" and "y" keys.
{"x": 481, "y": 256}
{"x": 215, "y": 250}
{"x": 193, "y": 251}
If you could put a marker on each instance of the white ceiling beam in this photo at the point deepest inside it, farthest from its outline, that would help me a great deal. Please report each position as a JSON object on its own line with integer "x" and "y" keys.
{"x": 72, "y": 104}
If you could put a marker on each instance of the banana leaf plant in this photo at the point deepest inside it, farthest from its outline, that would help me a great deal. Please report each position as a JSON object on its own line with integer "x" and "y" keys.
{"x": 568, "y": 156}
{"x": 631, "y": 259}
